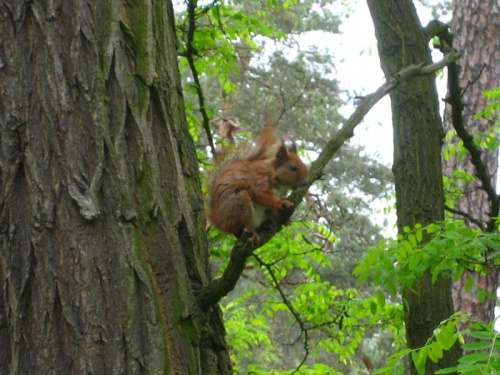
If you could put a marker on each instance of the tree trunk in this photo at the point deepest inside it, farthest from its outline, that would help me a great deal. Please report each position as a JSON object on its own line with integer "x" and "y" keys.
{"x": 417, "y": 160}
{"x": 476, "y": 35}
{"x": 101, "y": 216}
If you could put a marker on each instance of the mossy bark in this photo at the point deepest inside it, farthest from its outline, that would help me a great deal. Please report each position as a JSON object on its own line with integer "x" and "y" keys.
{"x": 417, "y": 160}
{"x": 101, "y": 216}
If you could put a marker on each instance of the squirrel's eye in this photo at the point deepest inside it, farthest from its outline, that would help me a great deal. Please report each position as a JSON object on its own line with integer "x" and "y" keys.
{"x": 293, "y": 168}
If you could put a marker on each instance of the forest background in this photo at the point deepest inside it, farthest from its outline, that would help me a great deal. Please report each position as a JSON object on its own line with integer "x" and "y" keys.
{"x": 110, "y": 115}
{"x": 307, "y": 69}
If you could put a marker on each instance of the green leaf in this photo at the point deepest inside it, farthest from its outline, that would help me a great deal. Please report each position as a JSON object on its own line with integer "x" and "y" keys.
{"x": 469, "y": 283}
{"x": 459, "y": 271}
{"x": 433, "y": 228}
{"x": 412, "y": 240}
{"x": 481, "y": 295}
{"x": 407, "y": 245}
{"x": 477, "y": 346}
{"x": 380, "y": 298}
{"x": 482, "y": 335}
{"x": 447, "y": 337}
{"x": 449, "y": 370}
{"x": 473, "y": 358}
{"x": 419, "y": 358}
{"x": 435, "y": 352}
{"x": 419, "y": 235}
{"x": 414, "y": 261}
{"x": 402, "y": 353}
{"x": 391, "y": 287}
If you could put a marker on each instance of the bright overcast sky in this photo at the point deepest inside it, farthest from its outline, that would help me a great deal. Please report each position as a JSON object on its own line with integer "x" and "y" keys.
{"x": 359, "y": 72}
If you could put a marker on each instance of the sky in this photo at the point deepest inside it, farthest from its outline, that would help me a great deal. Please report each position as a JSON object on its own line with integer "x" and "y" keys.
{"x": 359, "y": 72}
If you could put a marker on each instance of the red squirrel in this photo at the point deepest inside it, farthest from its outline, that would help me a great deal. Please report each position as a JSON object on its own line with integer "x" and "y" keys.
{"x": 248, "y": 190}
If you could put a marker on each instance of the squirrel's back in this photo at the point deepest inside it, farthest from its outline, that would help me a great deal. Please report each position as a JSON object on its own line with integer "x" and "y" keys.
{"x": 248, "y": 184}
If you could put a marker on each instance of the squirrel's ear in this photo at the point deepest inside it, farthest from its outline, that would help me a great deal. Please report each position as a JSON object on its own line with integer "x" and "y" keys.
{"x": 282, "y": 152}
{"x": 293, "y": 148}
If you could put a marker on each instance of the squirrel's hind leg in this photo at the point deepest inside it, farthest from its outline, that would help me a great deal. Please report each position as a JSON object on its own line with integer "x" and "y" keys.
{"x": 253, "y": 232}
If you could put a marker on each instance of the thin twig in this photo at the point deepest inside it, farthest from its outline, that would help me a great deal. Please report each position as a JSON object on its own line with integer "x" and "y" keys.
{"x": 290, "y": 307}
{"x": 190, "y": 52}
{"x": 472, "y": 219}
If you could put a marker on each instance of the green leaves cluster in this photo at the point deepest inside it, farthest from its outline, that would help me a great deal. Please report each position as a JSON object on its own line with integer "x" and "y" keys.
{"x": 214, "y": 39}
{"x": 453, "y": 248}
{"x": 492, "y": 108}
{"x": 444, "y": 337}
{"x": 483, "y": 354}
{"x": 220, "y": 29}
{"x": 288, "y": 303}
{"x": 488, "y": 139}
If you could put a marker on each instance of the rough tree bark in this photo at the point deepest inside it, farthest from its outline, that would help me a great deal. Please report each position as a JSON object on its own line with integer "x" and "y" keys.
{"x": 417, "y": 160}
{"x": 476, "y": 35}
{"x": 101, "y": 217}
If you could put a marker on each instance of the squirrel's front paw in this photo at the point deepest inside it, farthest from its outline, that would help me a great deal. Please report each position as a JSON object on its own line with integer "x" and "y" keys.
{"x": 286, "y": 204}
{"x": 286, "y": 210}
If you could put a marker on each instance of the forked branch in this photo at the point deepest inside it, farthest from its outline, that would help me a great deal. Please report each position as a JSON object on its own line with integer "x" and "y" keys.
{"x": 455, "y": 100}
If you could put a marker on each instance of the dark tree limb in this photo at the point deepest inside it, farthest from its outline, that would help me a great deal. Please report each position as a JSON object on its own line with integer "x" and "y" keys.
{"x": 190, "y": 52}
{"x": 480, "y": 224}
{"x": 220, "y": 287}
{"x": 455, "y": 100}
{"x": 244, "y": 247}
{"x": 435, "y": 28}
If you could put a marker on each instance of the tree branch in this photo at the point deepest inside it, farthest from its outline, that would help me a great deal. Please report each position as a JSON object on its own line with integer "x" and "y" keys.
{"x": 479, "y": 223}
{"x": 292, "y": 310}
{"x": 368, "y": 102}
{"x": 220, "y": 287}
{"x": 190, "y": 52}
{"x": 244, "y": 247}
{"x": 435, "y": 28}
{"x": 455, "y": 100}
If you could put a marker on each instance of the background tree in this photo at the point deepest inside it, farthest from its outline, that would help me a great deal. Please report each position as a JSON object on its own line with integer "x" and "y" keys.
{"x": 417, "y": 162}
{"x": 476, "y": 36}
{"x": 102, "y": 232}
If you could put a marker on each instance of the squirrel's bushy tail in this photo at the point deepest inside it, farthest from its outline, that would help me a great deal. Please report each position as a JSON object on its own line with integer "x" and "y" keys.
{"x": 266, "y": 145}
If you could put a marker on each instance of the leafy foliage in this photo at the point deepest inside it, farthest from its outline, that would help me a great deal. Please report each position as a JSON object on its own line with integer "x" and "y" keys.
{"x": 292, "y": 288}
{"x": 326, "y": 319}
{"x": 453, "y": 248}
{"x": 482, "y": 355}
{"x": 295, "y": 307}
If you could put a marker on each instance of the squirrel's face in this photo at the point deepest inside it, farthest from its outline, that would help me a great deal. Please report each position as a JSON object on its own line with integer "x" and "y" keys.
{"x": 290, "y": 170}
